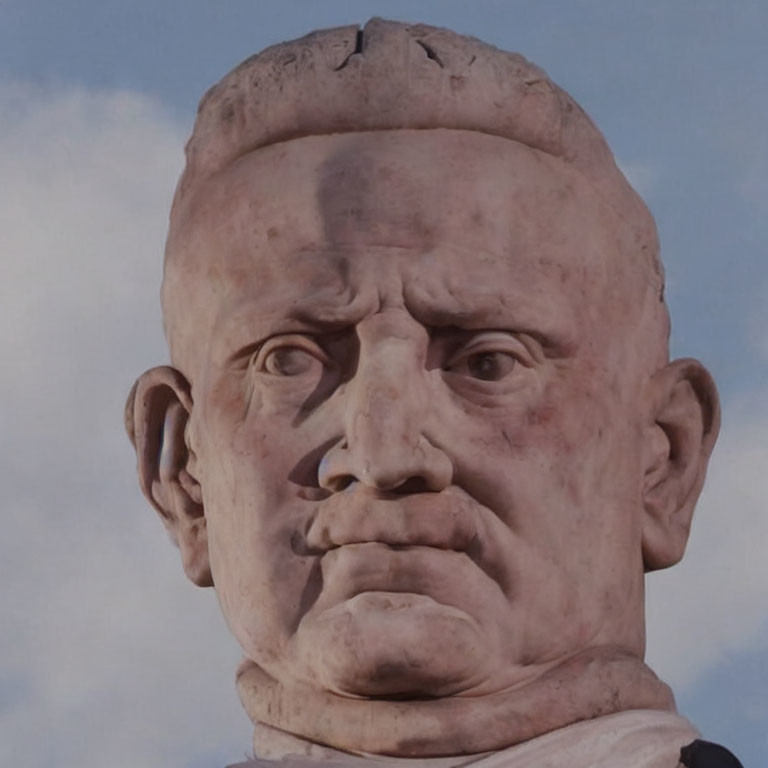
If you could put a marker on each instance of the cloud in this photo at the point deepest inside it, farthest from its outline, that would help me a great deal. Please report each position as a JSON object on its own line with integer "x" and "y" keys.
{"x": 715, "y": 603}
{"x": 113, "y": 657}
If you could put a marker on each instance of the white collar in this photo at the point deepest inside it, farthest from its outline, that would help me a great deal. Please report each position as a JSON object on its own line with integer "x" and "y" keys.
{"x": 638, "y": 738}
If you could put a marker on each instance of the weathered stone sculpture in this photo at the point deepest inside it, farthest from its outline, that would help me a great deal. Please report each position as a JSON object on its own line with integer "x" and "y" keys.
{"x": 421, "y": 430}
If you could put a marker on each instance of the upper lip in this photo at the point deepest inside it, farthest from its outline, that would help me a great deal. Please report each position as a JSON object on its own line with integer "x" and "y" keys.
{"x": 441, "y": 520}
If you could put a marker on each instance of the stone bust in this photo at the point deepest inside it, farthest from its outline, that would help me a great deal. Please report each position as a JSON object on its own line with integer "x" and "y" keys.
{"x": 421, "y": 431}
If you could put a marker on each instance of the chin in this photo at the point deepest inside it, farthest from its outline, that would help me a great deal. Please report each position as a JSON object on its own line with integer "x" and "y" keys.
{"x": 393, "y": 644}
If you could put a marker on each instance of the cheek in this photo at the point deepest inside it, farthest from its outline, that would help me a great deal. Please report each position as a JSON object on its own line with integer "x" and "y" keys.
{"x": 570, "y": 449}
{"x": 588, "y": 489}
{"x": 254, "y": 519}
{"x": 243, "y": 469}
{"x": 243, "y": 434}
{"x": 594, "y": 447}
{"x": 584, "y": 414}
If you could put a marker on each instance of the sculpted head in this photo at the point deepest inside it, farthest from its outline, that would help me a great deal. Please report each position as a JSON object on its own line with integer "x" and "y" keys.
{"x": 421, "y": 431}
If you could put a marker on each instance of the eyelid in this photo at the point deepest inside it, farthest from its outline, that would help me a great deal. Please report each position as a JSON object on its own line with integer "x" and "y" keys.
{"x": 497, "y": 341}
{"x": 303, "y": 342}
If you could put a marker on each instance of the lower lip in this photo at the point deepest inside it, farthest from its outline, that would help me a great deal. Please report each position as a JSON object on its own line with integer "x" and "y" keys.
{"x": 373, "y": 567}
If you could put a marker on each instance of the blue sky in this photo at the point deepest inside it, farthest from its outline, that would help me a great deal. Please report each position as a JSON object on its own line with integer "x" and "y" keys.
{"x": 108, "y": 655}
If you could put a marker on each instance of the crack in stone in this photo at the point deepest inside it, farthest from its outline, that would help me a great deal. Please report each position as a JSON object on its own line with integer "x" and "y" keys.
{"x": 359, "y": 43}
{"x": 431, "y": 54}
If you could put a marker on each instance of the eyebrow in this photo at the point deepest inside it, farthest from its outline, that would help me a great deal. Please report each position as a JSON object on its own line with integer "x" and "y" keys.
{"x": 337, "y": 304}
{"x": 253, "y": 321}
{"x": 248, "y": 326}
{"x": 509, "y": 310}
{"x": 327, "y": 316}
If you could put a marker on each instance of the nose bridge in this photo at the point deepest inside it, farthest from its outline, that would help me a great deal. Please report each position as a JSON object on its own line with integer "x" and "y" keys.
{"x": 385, "y": 411}
{"x": 385, "y": 446}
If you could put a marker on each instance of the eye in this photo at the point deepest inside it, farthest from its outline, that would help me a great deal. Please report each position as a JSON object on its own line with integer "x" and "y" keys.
{"x": 488, "y": 356}
{"x": 490, "y": 366}
{"x": 293, "y": 356}
{"x": 485, "y": 366}
{"x": 288, "y": 361}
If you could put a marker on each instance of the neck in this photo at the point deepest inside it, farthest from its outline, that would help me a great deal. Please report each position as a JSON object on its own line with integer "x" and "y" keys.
{"x": 597, "y": 682}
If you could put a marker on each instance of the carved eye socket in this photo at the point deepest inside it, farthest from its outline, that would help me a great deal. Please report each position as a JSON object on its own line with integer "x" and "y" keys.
{"x": 485, "y": 366}
{"x": 288, "y": 361}
{"x": 285, "y": 358}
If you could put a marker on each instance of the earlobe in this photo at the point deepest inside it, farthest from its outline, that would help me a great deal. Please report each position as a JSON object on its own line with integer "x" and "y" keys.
{"x": 156, "y": 418}
{"x": 678, "y": 444}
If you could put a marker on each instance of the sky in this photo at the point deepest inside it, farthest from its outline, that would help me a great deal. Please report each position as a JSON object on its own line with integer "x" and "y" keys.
{"x": 108, "y": 656}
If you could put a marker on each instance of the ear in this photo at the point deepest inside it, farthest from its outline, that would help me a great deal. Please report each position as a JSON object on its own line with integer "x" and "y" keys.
{"x": 685, "y": 422}
{"x": 156, "y": 417}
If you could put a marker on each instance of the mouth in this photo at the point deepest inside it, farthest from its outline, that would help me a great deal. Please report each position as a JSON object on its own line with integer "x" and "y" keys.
{"x": 432, "y": 545}
{"x": 442, "y": 521}
{"x": 413, "y": 572}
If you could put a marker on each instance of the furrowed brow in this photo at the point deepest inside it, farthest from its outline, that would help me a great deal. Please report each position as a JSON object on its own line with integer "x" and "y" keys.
{"x": 471, "y": 311}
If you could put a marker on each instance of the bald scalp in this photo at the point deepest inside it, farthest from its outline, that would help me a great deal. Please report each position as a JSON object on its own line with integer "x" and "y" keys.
{"x": 394, "y": 76}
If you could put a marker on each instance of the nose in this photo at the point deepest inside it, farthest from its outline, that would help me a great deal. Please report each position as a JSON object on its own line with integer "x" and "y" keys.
{"x": 384, "y": 446}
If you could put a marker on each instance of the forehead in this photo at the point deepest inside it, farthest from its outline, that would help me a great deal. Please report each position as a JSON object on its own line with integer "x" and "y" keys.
{"x": 376, "y": 183}
{"x": 458, "y": 217}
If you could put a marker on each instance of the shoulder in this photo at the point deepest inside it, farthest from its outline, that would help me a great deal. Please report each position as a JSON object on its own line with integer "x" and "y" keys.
{"x": 705, "y": 754}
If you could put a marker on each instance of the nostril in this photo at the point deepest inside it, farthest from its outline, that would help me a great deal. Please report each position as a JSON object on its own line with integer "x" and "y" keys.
{"x": 340, "y": 483}
{"x": 416, "y": 484}
{"x": 332, "y": 474}
{"x": 384, "y": 467}
{"x": 399, "y": 483}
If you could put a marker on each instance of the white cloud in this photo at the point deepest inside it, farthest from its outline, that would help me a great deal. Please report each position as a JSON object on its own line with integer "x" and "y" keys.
{"x": 113, "y": 658}
{"x": 715, "y": 603}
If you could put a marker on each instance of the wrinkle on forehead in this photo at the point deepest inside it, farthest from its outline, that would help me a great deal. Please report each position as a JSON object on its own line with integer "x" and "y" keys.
{"x": 357, "y": 199}
{"x": 350, "y": 285}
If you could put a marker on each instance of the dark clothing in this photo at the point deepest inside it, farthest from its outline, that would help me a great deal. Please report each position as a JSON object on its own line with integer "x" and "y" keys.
{"x": 705, "y": 754}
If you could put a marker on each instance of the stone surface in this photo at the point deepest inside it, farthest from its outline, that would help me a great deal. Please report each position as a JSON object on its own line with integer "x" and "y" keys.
{"x": 421, "y": 431}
